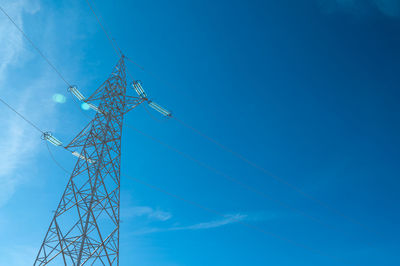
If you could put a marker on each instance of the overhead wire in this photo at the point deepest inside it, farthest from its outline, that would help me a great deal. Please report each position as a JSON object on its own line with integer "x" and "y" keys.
{"x": 114, "y": 44}
{"x": 43, "y": 56}
{"x": 151, "y": 74}
{"x": 38, "y": 129}
{"x": 55, "y": 160}
{"x": 268, "y": 173}
{"x": 21, "y": 116}
{"x": 241, "y": 157}
{"x": 223, "y": 147}
{"x": 112, "y": 41}
{"x": 215, "y": 212}
{"x": 35, "y": 46}
{"x": 218, "y": 172}
{"x": 153, "y": 116}
{"x": 240, "y": 183}
{"x": 116, "y": 48}
{"x": 277, "y": 178}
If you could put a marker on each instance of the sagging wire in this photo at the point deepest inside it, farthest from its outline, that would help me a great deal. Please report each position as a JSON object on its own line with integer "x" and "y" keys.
{"x": 47, "y": 136}
{"x": 241, "y": 157}
{"x": 119, "y": 51}
{"x": 277, "y": 178}
{"x": 55, "y": 161}
{"x": 213, "y": 211}
{"x": 241, "y": 184}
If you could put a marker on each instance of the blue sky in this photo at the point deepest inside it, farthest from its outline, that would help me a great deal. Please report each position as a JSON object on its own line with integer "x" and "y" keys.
{"x": 306, "y": 89}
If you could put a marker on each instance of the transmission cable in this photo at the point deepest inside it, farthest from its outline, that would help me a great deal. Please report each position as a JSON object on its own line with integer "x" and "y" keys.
{"x": 215, "y": 212}
{"x": 118, "y": 51}
{"x": 36, "y": 48}
{"x": 55, "y": 160}
{"x": 98, "y": 18}
{"x": 223, "y": 147}
{"x": 242, "y": 184}
{"x": 277, "y": 178}
{"x": 116, "y": 48}
{"x": 21, "y": 116}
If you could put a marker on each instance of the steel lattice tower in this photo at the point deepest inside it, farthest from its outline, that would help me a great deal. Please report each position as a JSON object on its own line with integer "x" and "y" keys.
{"x": 85, "y": 227}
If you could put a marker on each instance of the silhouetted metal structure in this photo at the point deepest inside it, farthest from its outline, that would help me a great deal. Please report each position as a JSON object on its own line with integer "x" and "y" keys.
{"x": 85, "y": 227}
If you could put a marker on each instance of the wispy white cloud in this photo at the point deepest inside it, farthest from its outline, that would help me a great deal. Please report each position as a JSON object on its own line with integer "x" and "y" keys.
{"x": 145, "y": 211}
{"x": 12, "y": 43}
{"x": 390, "y": 8}
{"x": 229, "y": 219}
{"x": 226, "y": 220}
{"x": 17, "y": 143}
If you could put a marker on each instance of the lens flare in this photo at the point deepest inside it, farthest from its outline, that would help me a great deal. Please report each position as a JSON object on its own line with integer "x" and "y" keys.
{"x": 85, "y": 106}
{"x": 59, "y": 98}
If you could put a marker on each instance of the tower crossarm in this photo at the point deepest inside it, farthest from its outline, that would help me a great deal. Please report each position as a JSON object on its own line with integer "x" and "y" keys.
{"x": 132, "y": 102}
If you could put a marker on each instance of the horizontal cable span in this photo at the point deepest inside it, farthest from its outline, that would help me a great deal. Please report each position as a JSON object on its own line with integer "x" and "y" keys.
{"x": 277, "y": 178}
{"x": 241, "y": 183}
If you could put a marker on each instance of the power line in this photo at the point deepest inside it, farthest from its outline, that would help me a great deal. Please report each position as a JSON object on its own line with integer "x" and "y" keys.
{"x": 220, "y": 173}
{"x": 21, "y": 116}
{"x": 55, "y": 160}
{"x": 116, "y": 48}
{"x": 112, "y": 41}
{"x": 157, "y": 119}
{"x": 240, "y": 183}
{"x": 151, "y": 74}
{"x": 277, "y": 178}
{"x": 42, "y": 55}
{"x": 55, "y": 69}
{"x": 241, "y": 157}
{"x": 215, "y": 212}
{"x": 34, "y": 46}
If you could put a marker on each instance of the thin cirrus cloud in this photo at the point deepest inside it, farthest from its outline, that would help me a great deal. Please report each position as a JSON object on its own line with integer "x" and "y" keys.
{"x": 389, "y": 8}
{"x": 12, "y": 45}
{"x": 229, "y": 219}
{"x": 15, "y": 142}
{"x": 145, "y": 212}
{"x": 18, "y": 143}
{"x": 226, "y": 220}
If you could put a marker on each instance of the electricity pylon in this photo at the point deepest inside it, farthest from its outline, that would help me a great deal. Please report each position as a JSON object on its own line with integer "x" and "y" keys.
{"x": 85, "y": 227}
